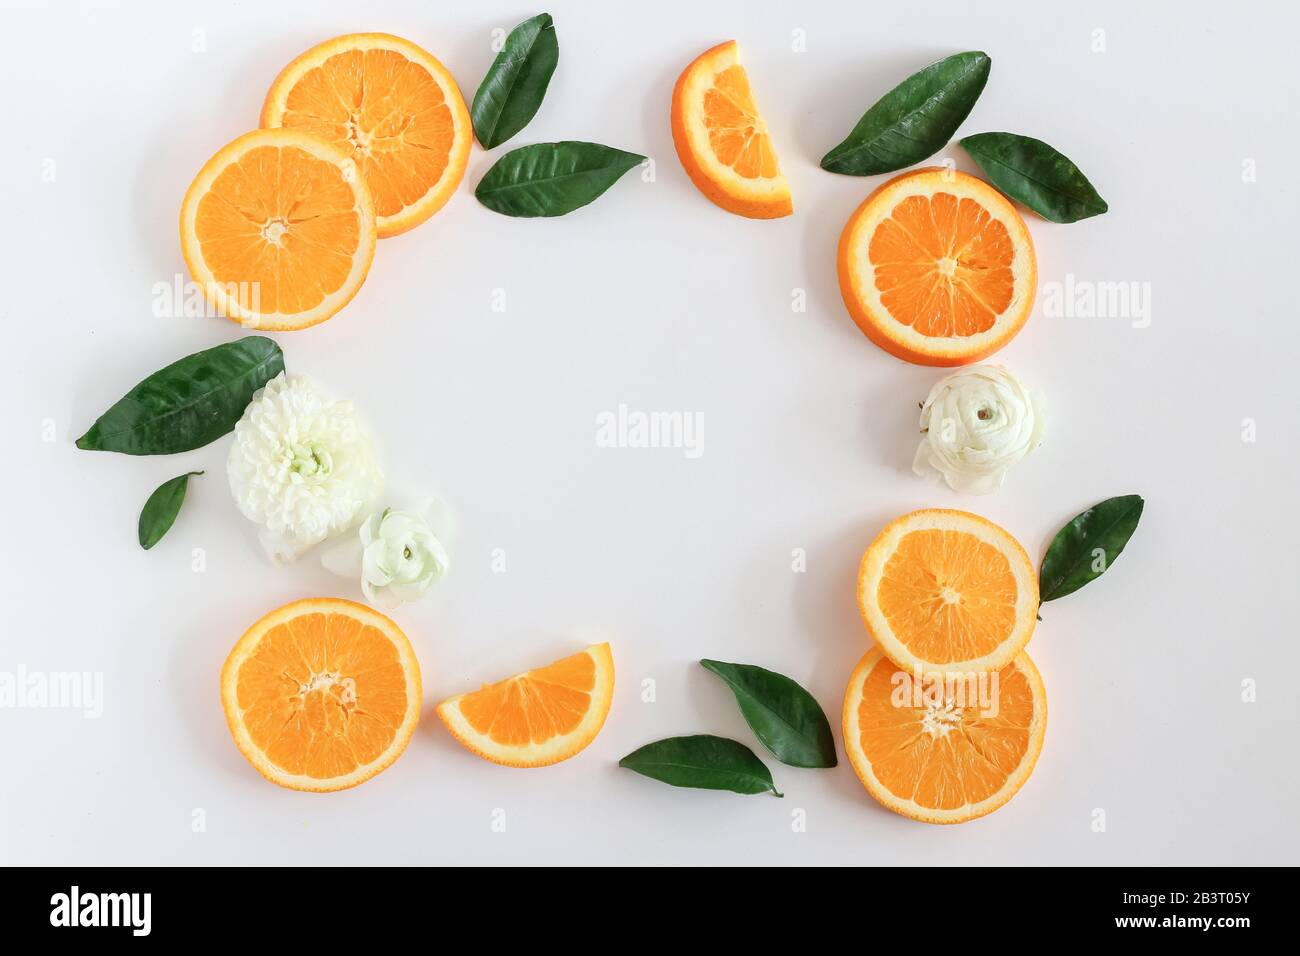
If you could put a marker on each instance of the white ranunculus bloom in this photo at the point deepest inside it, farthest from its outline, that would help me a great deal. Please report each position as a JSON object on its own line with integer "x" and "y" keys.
{"x": 303, "y": 466}
{"x": 396, "y": 554}
{"x": 976, "y": 424}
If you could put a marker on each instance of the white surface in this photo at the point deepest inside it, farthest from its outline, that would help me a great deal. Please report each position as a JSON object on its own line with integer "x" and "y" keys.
{"x": 654, "y": 298}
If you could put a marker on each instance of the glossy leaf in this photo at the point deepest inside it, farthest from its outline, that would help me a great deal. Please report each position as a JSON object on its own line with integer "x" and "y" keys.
{"x": 512, "y": 91}
{"x": 189, "y": 403}
{"x": 160, "y": 511}
{"x": 787, "y": 720}
{"x": 1034, "y": 173}
{"x": 551, "y": 179}
{"x": 1087, "y": 546}
{"x": 702, "y": 761}
{"x": 915, "y": 119}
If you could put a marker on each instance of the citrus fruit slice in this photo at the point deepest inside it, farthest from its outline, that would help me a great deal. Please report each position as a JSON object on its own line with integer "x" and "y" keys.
{"x": 278, "y": 230}
{"x": 947, "y": 591}
{"x": 321, "y": 694}
{"x": 937, "y": 268}
{"x": 389, "y": 105}
{"x": 722, "y": 140}
{"x": 947, "y": 752}
{"x": 539, "y": 717}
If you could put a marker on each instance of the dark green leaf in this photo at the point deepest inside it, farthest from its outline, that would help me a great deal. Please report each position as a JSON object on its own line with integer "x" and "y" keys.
{"x": 1087, "y": 546}
{"x": 1031, "y": 172}
{"x": 703, "y": 761}
{"x": 915, "y": 119}
{"x": 161, "y": 509}
{"x": 785, "y": 717}
{"x": 516, "y": 82}
{"x": 551, "y": 179}
{"x": 189, "y": 403}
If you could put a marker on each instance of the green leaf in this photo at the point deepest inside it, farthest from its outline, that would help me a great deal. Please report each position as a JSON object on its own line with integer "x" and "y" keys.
{"x": 189, "y": 403}
{"x": 1031, "y": 172}
{"x": 915, "y": 119}
{"x": 551, "y": 179}
{"x": 702, "y": 761}
{"x": 512, "y": 91}
{"x": 161, "y": 509}
{"x": 787, "y": 720}
{"x": 1087, "y": 546}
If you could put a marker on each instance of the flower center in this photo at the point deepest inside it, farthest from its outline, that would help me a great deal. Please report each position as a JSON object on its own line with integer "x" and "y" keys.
{"x": 984, "y": 414}
{"x": 310, "y": 461}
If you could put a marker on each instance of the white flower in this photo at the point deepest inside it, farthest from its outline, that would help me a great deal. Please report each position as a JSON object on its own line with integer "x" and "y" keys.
{"x": 302, "y": 466}
{"x": 396, "y": 554}
{"x": 975, "y": 425}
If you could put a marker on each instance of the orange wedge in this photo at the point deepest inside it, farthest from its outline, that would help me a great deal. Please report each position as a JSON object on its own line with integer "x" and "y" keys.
{"x": 949, "y": 753}
{"x": 937, "y": 268}
{"x": 389, "y": 105}
{"x": 947, "y": 591}
{"x": 722, "y": 140}
{"x": 321, "y": 694}
{"x": 539, "y": 717}
{"x": 278, "y": 230}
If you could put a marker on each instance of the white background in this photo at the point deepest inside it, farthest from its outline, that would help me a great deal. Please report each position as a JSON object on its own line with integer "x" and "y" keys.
{"x": 655, "y": 298}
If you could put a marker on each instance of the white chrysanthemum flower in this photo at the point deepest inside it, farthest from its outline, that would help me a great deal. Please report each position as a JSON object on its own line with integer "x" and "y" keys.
{"x": 396, "y": 554}
{"x": 303, "y": 466}
{"x": 975, "y": 425}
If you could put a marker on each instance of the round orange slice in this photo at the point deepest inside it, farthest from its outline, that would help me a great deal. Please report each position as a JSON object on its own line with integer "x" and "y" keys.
{"x": 937, "y": 268}
{"x": 943, "y": 751}
{"x": 722, "y": 140}
{"x": 392, "y": 107}
{"x": 321, "y": 694}
{"x": 947, "y": 591}
{"x": 539, "y": 717}
{"x": 278, "y": 230}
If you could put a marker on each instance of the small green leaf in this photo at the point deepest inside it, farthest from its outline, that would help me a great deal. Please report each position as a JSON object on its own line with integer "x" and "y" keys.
{"x": 189, "y": 403}
{"x": 915, "y": 119}
{"x": 702, "y": 761}
{"x": 1087, "y": 546}
{"x": 1033, "y": 173}
{"x": 516, "y": 82}
{"x": 161, "y": 509}
{"x": 551, "y": 179}
{"x": 787, "y": 720}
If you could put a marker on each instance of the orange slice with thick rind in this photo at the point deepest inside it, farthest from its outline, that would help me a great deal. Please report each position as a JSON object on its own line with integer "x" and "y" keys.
{"x": 321, "y": 694}
{"x": 722, "y": 140}
{"x": 943, "y": 590}
{"x": 943, "y": 752}
{"x": 539, "y": 717}
{"x": 392, "y": 107}
{"x": 937, "y": 267}
{"x": 278, "y": 230}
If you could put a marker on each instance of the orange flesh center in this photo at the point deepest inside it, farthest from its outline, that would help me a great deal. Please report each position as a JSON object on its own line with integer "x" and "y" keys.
{"x": 534, "y": 707}
{"x": 322, "y": 694}
{"x": 943, "y": 265}
{"x": 386, "y": 112}
{"x": 278, "y": 229}
{"x": 737, "y": 134}
{"x": 957, "y": 748}
{"x": 948, "y": 596}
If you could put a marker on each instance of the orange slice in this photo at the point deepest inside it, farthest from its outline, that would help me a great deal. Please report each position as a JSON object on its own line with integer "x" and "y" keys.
{"x": 389, "y": 105}
{"x": 539, "y": 717}
{"x": 722, "y": 140}
{"x": 321, "y": 694}
{"x": 947, "y": 591}
{"x": 278, "y": 230}
{"x": 949, "y": 752}
{"x": 937, "y": 268}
